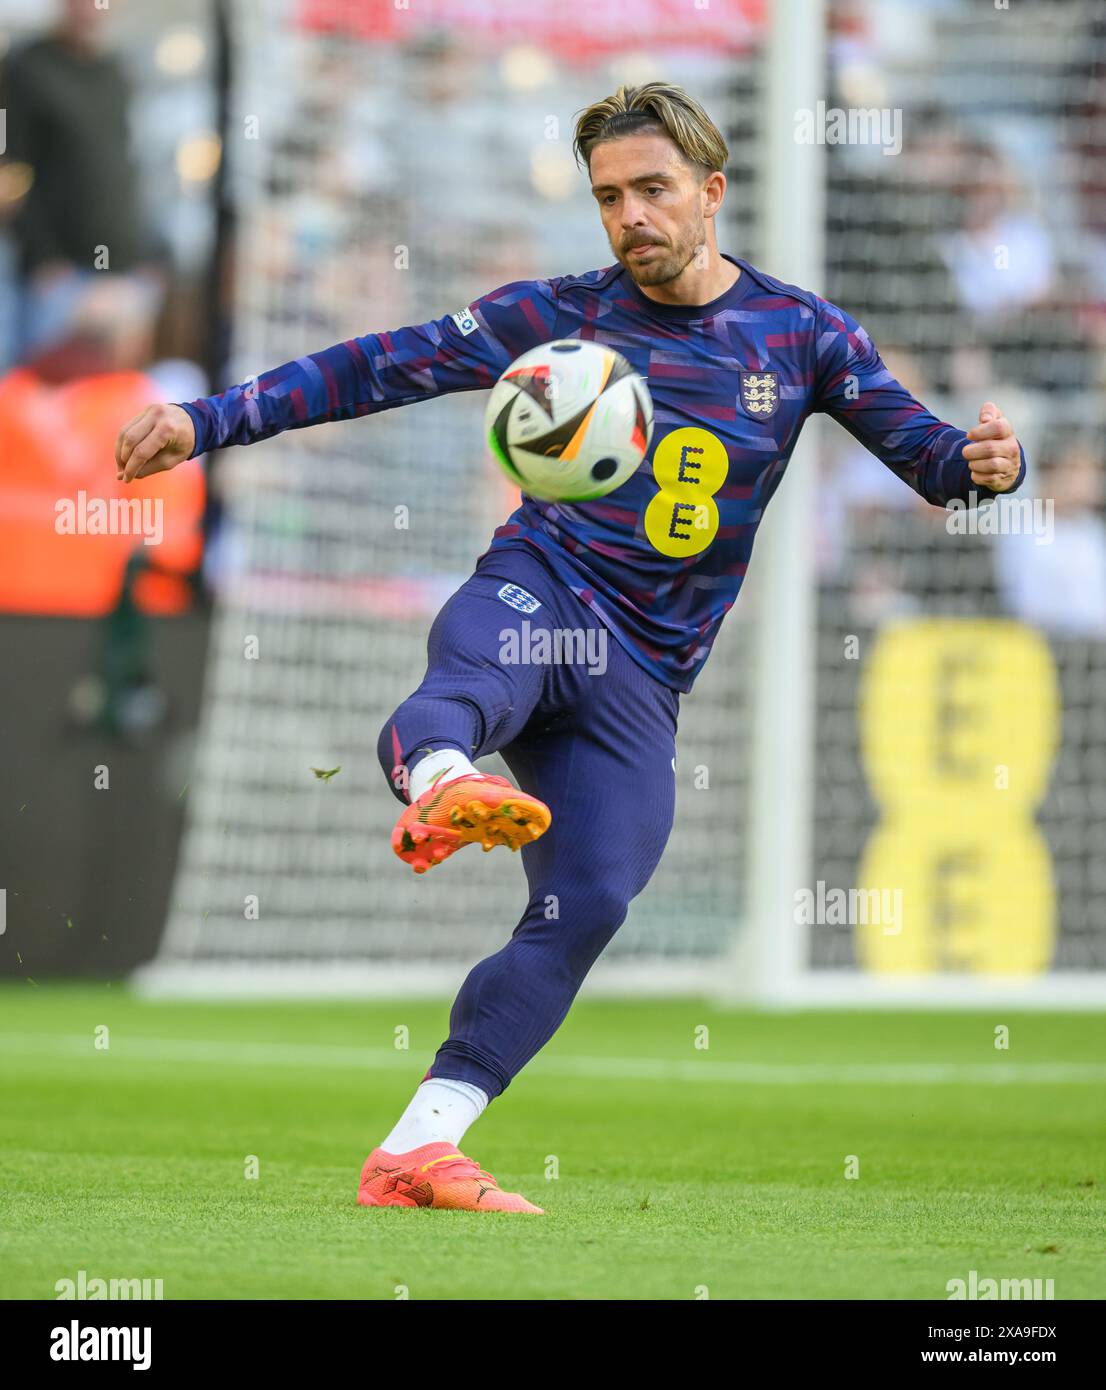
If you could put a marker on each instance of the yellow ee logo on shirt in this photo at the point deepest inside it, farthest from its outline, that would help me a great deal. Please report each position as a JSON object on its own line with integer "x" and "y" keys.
{"x": 690, "y": 465}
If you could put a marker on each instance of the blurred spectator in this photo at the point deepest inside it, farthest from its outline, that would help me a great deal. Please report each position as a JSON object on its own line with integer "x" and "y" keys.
{"x": 76, "y": 541}
{"x": 1000, "y": 257}
{"x": 1060, "y": 586}
{"x": 71, "y": 186}
{"x": 1087, "y": 135}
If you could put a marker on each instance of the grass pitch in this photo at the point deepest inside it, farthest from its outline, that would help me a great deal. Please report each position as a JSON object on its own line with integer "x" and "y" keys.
{"x": 679, "y": 1171}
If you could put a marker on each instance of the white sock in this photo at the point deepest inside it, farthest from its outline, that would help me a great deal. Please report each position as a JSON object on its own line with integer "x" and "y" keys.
{"x": 440, "y": 1112}
{"x": 445, "y": 763}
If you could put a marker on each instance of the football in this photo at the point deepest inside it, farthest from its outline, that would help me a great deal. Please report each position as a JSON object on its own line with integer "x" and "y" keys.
{"x": 569, "y": 421}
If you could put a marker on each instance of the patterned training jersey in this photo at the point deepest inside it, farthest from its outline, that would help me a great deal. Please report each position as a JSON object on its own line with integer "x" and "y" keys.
{"x": 661, "y": 559}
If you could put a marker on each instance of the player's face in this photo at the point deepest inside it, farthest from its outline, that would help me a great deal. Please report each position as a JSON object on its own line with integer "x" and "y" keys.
{"x": 651, "y": 203}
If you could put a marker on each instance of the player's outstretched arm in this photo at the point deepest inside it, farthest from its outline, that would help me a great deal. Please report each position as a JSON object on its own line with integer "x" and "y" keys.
{"x": 464, "y": 351}
{"x": 940, "y": 462}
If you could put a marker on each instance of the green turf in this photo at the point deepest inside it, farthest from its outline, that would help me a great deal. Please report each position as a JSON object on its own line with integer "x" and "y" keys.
{"x": 130, "y": 1161}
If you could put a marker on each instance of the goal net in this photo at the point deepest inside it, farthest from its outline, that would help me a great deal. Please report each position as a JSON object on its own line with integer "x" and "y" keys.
{"x": 388, "y": 166}
{"x": 961, "y": 731}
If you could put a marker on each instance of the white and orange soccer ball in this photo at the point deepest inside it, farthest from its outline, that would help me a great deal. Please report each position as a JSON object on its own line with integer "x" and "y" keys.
{"x": 569, "y": 421}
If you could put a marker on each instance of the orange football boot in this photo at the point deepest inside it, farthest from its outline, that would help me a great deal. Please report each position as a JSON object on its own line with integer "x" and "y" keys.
{"x": 471, "y": 807}
{"x": 435, "y": 1175}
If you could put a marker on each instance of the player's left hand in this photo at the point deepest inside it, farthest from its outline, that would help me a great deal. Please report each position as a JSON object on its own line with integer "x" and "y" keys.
{"x": 994, "y": 453}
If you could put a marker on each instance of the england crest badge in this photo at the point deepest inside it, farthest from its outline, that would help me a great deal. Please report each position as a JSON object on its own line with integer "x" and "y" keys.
{"x": 760, "y": 393}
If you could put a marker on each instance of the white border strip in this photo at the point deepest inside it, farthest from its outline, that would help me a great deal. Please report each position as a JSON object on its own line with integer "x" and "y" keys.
{"x": 656, "y": 977}
{"x": 127, "y": 1050}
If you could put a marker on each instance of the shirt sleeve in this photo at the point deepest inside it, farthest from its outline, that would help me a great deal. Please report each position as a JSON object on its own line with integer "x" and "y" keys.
{"x": 464, "y": 351}
{"x": 853, "y": 385}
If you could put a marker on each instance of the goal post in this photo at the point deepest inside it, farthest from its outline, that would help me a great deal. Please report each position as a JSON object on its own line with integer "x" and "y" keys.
{"x": 768, "y": 955}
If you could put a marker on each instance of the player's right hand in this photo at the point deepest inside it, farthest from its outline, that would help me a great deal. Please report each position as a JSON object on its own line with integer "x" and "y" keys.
{"x": 158, "y": 439}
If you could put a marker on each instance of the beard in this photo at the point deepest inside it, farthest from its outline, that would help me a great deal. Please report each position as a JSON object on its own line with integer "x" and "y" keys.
{"x": 669, "y": 261}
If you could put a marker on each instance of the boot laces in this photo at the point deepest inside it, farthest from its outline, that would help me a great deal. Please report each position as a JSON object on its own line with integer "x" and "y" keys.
{"x": 457, "y": 1166}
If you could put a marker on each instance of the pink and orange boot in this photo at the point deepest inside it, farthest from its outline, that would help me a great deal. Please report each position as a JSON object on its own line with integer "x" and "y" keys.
{"x": 435, "y": 1175}
{"x": 471, "y": 807}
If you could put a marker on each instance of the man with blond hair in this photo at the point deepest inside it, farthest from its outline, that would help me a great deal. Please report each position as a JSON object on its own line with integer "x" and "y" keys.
{"x": 735, "y": 361}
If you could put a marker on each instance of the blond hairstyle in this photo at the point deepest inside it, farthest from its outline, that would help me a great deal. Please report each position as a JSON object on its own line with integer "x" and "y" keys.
{"x": 655, "y": 106}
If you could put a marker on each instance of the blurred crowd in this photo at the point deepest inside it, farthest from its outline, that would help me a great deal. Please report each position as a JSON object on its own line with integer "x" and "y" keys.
{"x": 92, "y": 267}
{"x": 90, "y": 333}
{"x": 976, "y": 257}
